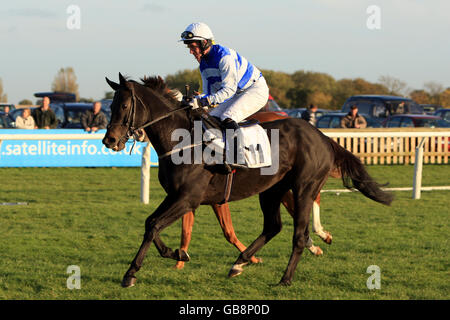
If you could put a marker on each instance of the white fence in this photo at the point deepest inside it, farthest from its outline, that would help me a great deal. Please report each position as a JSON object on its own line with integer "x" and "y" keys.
{"x": 394, "y": 145}
{"x": 372, "y": 146}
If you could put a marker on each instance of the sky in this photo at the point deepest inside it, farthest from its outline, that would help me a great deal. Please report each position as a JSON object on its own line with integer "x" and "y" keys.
{"x": 140, "y": 37}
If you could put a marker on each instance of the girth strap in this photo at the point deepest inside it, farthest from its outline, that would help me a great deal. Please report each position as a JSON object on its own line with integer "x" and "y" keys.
{"x": 228, "y": 185}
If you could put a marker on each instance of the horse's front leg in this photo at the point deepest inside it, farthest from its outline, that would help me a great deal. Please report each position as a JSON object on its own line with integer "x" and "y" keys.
{"x": 171, "y": 209}
{"x": 288, "y": 202}
{"x": 224, "y": 216}
{"x": 179, "y": 254}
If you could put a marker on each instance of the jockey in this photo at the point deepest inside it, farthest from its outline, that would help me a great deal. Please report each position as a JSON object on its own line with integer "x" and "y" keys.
{"x": 230, "y": 82}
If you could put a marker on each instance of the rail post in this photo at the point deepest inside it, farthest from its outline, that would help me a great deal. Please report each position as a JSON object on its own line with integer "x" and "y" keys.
{"x": 145, "y": 175}
{"x": 418, "y": 165}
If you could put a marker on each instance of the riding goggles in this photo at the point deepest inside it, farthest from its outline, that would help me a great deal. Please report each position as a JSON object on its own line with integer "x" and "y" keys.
{"x": 186, "y": 35}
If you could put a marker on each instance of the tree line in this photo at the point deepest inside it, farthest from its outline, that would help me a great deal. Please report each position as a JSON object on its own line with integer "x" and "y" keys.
{"x": 291, "y": 90}
{"x": 303, "y": 88}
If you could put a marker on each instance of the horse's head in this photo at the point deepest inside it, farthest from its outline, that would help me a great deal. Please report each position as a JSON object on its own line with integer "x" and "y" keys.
{"x": 123, "y": 114}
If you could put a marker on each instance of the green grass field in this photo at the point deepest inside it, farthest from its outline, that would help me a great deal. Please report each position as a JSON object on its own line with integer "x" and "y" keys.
{"x": 93, "y": 218}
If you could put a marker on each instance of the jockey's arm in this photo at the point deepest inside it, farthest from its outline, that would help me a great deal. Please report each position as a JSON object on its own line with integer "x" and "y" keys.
{"x": 229, "y": 76}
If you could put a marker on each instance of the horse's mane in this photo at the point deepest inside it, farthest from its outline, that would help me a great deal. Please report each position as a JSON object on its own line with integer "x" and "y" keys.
{"x": 157, "y": 84}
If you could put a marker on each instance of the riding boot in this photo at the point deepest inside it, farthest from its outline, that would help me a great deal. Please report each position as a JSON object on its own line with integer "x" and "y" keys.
{"x": 228, "y": 123}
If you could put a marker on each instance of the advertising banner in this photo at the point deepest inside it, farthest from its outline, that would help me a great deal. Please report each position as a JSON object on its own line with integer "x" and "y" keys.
{"x": 67, "y": 152}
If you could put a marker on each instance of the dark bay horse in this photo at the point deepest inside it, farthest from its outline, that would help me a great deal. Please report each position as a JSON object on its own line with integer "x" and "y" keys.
{"x": 224, "y": 216}
{"x": 305, "y": 159}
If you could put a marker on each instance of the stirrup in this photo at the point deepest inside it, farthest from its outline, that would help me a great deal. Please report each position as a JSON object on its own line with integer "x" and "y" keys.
{"x": 227, "y": 168}
{"x": 228, "y": 185}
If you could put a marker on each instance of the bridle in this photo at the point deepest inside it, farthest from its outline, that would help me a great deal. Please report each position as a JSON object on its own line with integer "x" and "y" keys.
{"x": 132, "y": 131}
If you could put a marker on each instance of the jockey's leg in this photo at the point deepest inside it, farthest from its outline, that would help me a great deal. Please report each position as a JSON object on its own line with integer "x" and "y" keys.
{"x": 245, "y": 103}
{"x": 239, "y": 107}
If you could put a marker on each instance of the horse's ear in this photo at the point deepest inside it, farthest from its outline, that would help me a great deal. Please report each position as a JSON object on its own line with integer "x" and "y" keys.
{"x": 112, "y": 84}
{"x": 122, "y": 79}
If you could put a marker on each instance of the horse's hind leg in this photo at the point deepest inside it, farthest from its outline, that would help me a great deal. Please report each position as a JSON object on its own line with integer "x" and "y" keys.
{"x": 224, "y": 216}
{"x": 288, "y": 202}
{"x": 303, "y": 207}
{"x": 270, "y": 201}
{"x": 316, "y": 225}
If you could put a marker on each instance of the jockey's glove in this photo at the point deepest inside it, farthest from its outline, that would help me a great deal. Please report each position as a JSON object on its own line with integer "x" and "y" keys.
{"x": 198, "y": 102}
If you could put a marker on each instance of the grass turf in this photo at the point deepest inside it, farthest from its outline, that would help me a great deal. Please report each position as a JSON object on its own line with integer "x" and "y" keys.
{"x": 92, "y": 218}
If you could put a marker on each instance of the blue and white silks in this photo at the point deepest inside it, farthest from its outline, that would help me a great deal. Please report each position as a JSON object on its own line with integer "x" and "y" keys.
{"x": 226, "y": 76}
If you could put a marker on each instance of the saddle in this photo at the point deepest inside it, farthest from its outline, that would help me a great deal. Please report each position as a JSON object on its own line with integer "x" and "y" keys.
{"x": 248, "y": 147}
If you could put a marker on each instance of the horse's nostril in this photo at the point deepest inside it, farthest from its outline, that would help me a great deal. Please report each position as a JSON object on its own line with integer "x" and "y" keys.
{"x": 109, "y": 140}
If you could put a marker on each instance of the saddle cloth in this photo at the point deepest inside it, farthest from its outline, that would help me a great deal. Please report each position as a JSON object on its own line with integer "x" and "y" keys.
{"x": 248, "y": 146}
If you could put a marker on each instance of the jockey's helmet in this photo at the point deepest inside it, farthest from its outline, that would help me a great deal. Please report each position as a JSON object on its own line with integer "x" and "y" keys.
{"x": 198, "y": 31}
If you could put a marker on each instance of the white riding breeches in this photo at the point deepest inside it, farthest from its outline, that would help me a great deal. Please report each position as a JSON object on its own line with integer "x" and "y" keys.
{"x": 244, "y": 104}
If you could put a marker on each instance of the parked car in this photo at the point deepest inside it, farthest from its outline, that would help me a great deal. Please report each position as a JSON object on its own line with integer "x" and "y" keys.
{"x": 297, "y": 113}
{"x": 57, "y": 96}
{"x": 443, "y": 114}
{"x": 380, "y": 106}
{"x": 272, "y": 105}
{"x": 106, "y": 107}
{"x": 430, "y": 108}
{"x": 73, "y": 112}
{"x": 333, "y": 120}
{"x": 414, "y": 120}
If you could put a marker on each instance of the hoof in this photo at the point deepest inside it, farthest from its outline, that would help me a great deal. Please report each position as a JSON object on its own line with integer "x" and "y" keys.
{"x": 285, "y": 283}
{"x": 236, "y": 270}
{"x": 179, "y": 265}
{"x": 182, "y": 255}
{"x": 329, "y": 238}
{"x": 256, "y": 260}
{"x": 325, "y": 236}
{"x": 234, "y": 273}
{"x": 128, "y": 281}
{"x": 315, "y": 250}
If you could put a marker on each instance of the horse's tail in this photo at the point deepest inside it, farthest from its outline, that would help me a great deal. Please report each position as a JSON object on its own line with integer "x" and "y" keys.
{"x": 355, "y": 175}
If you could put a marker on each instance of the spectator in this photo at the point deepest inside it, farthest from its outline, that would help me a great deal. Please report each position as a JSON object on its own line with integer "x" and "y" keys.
{"x": 25, "y": 121}
{"x": 7, "y": 116}
{"x": 310, "y": 114}
{"x": 400, "y": 108}
{"x": 353, "y": 119}
{"x": 95, "y": 119}
{"x": 44, "y": 117}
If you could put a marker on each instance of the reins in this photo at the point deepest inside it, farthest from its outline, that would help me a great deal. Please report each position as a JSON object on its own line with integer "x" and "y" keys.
{"x": 132, "y": 131}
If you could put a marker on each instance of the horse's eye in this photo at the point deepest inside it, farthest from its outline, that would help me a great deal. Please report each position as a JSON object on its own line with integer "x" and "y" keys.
{"x": 124, "y": 106}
